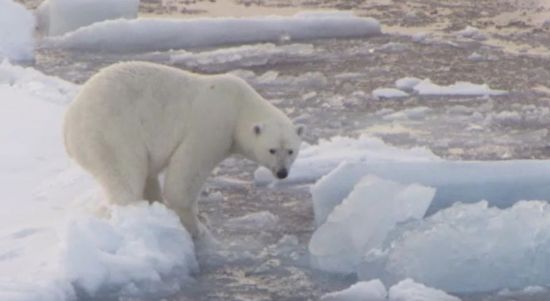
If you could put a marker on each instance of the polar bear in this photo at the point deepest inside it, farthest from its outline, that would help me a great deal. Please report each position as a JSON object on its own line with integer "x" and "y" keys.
{"x": 134, "y": 120}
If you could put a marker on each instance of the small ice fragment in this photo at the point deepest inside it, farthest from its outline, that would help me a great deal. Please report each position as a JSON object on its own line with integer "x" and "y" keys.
{"x": 408, "y": 290}
{"x": 407, "y": 83}
{"x": 373, "y": 290}
{"x": 384, "y": 93}
{"x": 472, "y": 33}
{"x": 362, "y": 221}
{"x": 426, "y": 87}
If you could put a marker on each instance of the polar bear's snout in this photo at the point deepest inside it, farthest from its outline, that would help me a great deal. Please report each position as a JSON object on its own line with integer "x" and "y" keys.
{"x": 282, "y": 173}
{"x": 277, "y": 146}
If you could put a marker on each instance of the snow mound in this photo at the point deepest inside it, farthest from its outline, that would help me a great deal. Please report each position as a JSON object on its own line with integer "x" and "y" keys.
{"x": 315, "y": 161}
{"x": 161, "y": 34}
{"x": 426, "y": 87}
{"x": 383, "y": 93}
{"x": 244, "y": 56}
{"x": 408, "y": 290}
{"x": 469, "y": 248}
{"x": 31, "y": 81}
{"x": 16, "y": 31}
{"x": 362, "y": 221}
{"x": 62, "y": 16}
{"x": 373, "y": 290}
{"x": 140, "y": 250}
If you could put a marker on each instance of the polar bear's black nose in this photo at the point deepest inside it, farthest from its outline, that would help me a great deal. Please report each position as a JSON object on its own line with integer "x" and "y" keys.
{"x": 282, "y": 173}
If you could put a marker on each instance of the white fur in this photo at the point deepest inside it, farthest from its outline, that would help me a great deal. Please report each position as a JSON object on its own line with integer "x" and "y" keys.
{"x": 133, "y": 120}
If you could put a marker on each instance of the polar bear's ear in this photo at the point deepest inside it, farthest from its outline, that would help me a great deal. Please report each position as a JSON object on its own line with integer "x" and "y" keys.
{"x": 300, "y": 129}
{"x": 258, "y": 129}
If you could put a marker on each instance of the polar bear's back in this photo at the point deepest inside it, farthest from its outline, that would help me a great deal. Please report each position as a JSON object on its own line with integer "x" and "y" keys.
{"x": 131, "y": 81}
{"x": 149, "y": 82}
{"x": 131, "y": 105}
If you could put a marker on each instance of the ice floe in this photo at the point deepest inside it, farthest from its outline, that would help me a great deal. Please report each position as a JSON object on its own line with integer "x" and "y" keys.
{"x": 16, "y": 31}
{"x": 165, "y": 34}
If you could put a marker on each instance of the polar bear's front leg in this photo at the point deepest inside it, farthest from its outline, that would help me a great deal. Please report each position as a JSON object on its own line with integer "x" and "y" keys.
{"x": 188, "y": 169}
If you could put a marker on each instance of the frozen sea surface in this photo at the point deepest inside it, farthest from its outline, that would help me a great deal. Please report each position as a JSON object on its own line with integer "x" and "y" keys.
{"x": 330, "y": 90}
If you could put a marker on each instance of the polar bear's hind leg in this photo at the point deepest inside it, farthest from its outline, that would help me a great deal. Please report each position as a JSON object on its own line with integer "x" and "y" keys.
{"x": 121, "y": 186}
{"x": 114, "y": 168}
{"x": 152, "y": 190}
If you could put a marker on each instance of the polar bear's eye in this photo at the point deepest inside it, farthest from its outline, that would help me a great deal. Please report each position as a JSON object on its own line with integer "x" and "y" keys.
{"x": 272, "y": 151}
{"x": 290, "y": 152}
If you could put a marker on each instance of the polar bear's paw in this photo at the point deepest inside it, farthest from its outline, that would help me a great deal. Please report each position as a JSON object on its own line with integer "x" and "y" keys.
{"x": 197, "y": 226}
{"x": 203, "y": 226}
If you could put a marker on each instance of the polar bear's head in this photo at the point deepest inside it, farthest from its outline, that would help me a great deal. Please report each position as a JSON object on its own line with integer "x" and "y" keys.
{"x": 277, "y": 145}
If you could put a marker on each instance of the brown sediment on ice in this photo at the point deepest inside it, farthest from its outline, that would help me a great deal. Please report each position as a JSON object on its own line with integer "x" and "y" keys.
{"x": 181, "y": 9}
{"x": 516, "y": 27}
